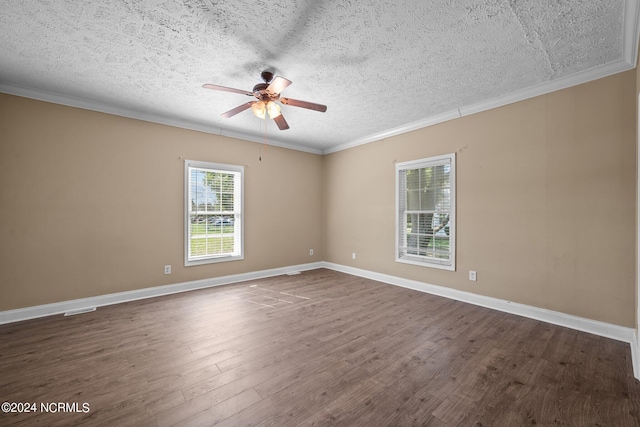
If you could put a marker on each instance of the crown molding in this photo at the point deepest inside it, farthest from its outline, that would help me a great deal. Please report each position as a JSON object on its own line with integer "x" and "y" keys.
{"x": 631, "y": 34}
{"x": 548, "y": 87}
{"x": 429, "y": 121}
{"x": 86, "y": 104}
{"x": 521, "y": 95}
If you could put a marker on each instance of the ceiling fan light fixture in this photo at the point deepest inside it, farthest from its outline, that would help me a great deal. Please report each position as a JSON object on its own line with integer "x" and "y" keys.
{"x": 273, "y": 109}
{"x": 267, "y": 95}
{"x": 259, "y": 109}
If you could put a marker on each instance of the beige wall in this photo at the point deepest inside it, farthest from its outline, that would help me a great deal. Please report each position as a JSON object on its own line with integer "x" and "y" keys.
{"x": 545, "y": 203}
{"x": 92, "y": 204}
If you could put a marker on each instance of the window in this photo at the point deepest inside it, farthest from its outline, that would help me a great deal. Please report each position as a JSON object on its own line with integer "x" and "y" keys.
{"x": 213, "y": 212}
{"x": 425, "y": 200}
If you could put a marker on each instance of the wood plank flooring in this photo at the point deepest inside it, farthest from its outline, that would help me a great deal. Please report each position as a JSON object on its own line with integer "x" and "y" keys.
{"x": 321, "y": 348}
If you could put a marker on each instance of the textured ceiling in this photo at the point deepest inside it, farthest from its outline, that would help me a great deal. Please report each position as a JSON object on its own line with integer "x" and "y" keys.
{"x": 382, "y": 67}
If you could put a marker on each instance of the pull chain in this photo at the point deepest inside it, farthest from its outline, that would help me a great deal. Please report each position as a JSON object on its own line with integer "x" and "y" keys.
{"x": 265, "y": 144}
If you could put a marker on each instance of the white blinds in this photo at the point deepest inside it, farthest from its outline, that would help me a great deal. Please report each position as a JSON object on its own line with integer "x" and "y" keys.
{"x": 213, "y": 213}
{"x": 425, "y": 210}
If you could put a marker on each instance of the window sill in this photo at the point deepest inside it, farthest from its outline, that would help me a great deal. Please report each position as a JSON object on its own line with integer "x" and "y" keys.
{"x": 213, "y": 260}
{"x": 426, "y": 264}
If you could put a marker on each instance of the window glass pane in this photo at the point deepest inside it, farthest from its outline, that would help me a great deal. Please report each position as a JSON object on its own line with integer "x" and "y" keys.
{"x": 413, "y": 179}
{"x": 424, "y": 223}
{"x": 413, "y": 200}
{"x": 412, "y": 243}
{"x": 226, "y": 202}
{"x": 410, "y": 223}
{"x": 444, "y": 201}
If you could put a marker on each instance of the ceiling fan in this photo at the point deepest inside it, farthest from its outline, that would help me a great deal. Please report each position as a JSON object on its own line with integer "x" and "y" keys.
{"x": 267, "y": 94}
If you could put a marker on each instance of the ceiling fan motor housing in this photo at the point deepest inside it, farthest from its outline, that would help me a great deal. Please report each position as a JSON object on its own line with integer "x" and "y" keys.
{"x": 260, "y": 92}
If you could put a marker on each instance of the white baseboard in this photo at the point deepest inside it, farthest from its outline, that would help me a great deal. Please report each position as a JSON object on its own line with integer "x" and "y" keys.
{"x": 27, "y": 313}
{"x": 608, "y": 330}
{"x": 595, "y": 327}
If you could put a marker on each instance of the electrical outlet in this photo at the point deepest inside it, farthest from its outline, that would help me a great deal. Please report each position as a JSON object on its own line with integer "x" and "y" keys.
{"x": 310, "y": 251}
{"x": 167, "y": 269}
{"x": 472, "y": 275}
{"x": 353, "y": 255}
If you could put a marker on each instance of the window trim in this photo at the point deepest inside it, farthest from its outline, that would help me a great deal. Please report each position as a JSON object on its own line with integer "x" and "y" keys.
{"x": 417, "y": 164}
{"x": 188, "y": 165}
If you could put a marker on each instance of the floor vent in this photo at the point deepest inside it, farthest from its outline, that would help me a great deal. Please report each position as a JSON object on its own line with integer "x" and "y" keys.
{"x": 293, "y": 273}
{"x": 80, "y": 311}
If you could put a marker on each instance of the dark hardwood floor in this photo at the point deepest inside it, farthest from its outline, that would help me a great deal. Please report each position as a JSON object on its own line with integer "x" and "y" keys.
{"x": 315, "y": 349}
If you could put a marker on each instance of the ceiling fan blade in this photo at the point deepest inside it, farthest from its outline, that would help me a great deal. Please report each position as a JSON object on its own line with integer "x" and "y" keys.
{"x": 227, "y": 89}
{"x": 238, "y": 109}
{"x": 277, "y": 85}
{"x": 304, "y": 104}
{"x": 281, "y": 122}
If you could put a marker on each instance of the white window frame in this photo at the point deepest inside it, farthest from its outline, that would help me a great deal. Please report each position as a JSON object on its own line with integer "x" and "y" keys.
{"x": 237, "y": 213}
{"x": 401, "y": 213}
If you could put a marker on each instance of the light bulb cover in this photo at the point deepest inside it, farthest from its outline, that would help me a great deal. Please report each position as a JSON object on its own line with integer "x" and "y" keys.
{"x": 258, "y": 108}
{"x": 273, "y": 109}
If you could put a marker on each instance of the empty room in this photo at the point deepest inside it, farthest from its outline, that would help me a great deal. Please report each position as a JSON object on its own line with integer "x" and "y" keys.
{"x": 315, "y": 213}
